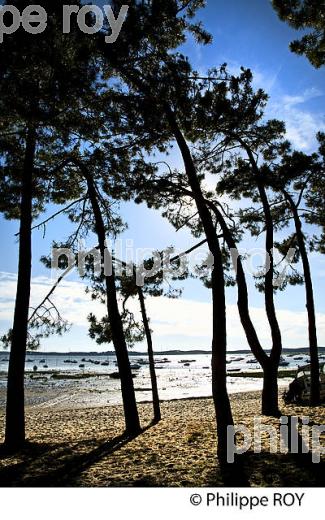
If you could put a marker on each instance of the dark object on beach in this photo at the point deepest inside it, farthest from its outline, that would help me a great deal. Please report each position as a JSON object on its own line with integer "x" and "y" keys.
{"x": 234, "y": 370}
{"x": 143, "y": 362}
{"x": 251, "y": 361}
{"x": 35, "y": 368}
{"x": 105, "y": 363}
{"x": 42, "y": 361}
{"x": 82, "y": 366}
{"x": 116, "y": 375}
{"x": 83, "y": 360}
{"x": 294, "y": 393}
{"x": 299, "y": 389}
{"x": 187, "y": 364}
{"x": 45, "y": 366}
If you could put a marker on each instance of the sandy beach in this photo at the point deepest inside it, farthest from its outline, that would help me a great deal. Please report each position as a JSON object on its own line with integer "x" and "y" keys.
{"x": 85, "y": 446}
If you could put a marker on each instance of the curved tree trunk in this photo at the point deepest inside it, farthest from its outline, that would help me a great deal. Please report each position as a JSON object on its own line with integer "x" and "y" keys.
{"x": 153, "y": 378}
{"x": 15, "y": 408}
{"x": 270, "y": 383}
{"x": 310, "y": 305}
{"x": 270, "y": 405}
{"x": 270, "y": 394}
{"x": 270, "y": 363}
{"x": 132, "y": 421}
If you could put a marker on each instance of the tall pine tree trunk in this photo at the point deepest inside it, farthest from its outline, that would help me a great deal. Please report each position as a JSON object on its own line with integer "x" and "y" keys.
{"x": 310, "y": 305}
{"x": 15, "y": 408}
{"x": 132, "y": 421}
{"x": 219, "y": 352}
{"x": 153, "y": 378}
{"x": 219, "y": 333}
{"x": 270, "y": 405}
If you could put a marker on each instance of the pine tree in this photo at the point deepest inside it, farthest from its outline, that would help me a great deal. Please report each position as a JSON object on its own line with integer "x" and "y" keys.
{"x": 45, "y": 80}
{"x": 307, "y": 15}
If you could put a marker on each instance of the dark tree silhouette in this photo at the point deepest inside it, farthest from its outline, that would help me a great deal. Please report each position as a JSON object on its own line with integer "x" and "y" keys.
{"x": 293, "y": 176}
{"x": 43, "y": 79}
{"x": 307, "y": 15}
{"x": 132, "y": 421}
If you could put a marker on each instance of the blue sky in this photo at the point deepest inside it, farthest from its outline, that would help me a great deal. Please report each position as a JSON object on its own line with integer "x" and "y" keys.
{"x": 247, "y": 33}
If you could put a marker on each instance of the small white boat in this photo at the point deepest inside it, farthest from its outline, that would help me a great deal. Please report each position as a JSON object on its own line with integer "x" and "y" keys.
{"x": 283, "y": 362}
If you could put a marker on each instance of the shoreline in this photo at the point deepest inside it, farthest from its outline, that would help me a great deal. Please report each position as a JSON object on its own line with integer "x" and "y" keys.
{"x": 75, "y": 394}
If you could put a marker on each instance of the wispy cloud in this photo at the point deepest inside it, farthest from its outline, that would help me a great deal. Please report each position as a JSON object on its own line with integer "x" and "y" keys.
{"x": 302, "y": 123}
{"x": 304, "y": 97}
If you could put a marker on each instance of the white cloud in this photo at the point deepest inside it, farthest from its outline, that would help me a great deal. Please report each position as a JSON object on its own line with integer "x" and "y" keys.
{"x": 302, "y": 128}
{"x": 302, "y": 124}
{"x": 69, "y": 297}
{"x": 183, "y": 322}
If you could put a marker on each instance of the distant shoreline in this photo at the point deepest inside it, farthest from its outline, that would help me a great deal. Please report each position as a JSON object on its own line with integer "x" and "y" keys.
{"x": 175, "y": 352}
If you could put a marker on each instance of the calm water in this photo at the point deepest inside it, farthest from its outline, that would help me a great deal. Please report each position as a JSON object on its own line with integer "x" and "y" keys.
{"x": 179, "y": 376}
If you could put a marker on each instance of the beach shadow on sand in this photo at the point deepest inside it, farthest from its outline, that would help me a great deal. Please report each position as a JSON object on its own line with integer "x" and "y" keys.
{"x": 269, "y": 470}
{"x": 295, "y": 468}
{"x": 63, "y": 465}
{"x": 57, "y": 465}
